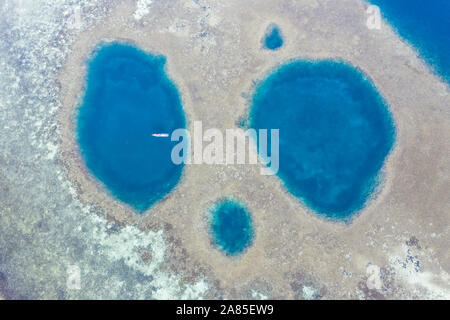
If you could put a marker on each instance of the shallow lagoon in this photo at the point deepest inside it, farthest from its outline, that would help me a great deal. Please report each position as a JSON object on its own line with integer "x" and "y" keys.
{"x": 128, "y": 98}
{"x": 231, "y": 226}
{"x": 335, "y": 133}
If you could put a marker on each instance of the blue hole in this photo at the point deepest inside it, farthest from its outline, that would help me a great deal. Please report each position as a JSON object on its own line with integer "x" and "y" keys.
{"x": 273, "y": 39}
{"x": 335, "y": 133}
{"x": 231, "y": 226}
{"x": 129, "y": 98}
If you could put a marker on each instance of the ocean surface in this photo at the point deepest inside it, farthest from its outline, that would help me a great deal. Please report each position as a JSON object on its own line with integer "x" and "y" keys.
{"x": 335, "y": 133}
{"x": 231, "y": 226}
{"x": 273, "y": 39}
{"x": 426, "y": 25}
{"x": 129, "y": 97}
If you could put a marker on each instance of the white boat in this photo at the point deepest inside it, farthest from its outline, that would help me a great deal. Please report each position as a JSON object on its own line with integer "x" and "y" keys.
{"x": 160, "y": 135}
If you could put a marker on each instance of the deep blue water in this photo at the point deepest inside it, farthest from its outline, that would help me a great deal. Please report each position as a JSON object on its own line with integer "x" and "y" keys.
{"x": 335, "y": 132}
{"x": 231, "y": 226}
{"x": 426, "y": 25}
{"x": 128, "y": 97}
{"x": 273, "y": 38}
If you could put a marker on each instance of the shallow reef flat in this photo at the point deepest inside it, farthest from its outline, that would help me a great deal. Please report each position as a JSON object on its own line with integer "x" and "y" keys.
{"x": 55, "y": 215}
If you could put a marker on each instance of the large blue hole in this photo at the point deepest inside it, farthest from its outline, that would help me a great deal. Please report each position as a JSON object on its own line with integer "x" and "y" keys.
{"x": 335, "y": 133}
{"x": 129, "y": 98}
{"x": 426, "y": 25}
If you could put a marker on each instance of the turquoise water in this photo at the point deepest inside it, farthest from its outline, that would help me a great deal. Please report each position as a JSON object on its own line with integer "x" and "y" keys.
{"x": 273, "y": 39}
{"x": 231, "y": 226}
{"x": 426, "y": 25}
{"x": 128, "y": 98}
{"x": 335, "y": 133}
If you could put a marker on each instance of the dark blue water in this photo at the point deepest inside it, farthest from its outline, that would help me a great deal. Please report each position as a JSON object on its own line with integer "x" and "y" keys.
{"x": 426, "y": 25}
{"x": 231, "y": 226}
{"x": 335, "y": 133}
{"x": 273, "y": 39}
{"x": 128, "y": 97}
